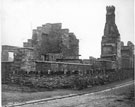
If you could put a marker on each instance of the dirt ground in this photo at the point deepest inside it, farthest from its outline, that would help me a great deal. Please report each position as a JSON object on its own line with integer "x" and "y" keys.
{"x": 121, "y": 97}
{"x": 117, "y": 98}
{"x": 13, "y": 94}
{"x": 124, "y": 97}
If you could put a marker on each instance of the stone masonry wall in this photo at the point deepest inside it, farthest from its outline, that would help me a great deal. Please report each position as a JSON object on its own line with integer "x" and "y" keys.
{"x": 111, "y": 43}
{"x": 127, "y": 53}
{"x": 51, "y": 38}
{"x": 5, "y": 51}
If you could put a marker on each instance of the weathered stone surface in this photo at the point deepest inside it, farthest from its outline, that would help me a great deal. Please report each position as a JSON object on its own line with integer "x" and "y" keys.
{"x": 127, "y": 54}
{"x": 6, "y": 71}
{"x": 91, "y": 60}
{"x": 27, "y": 60}
{"x": 110, "y": 26}
{"x": 51, "y": 39}
{"x": 5, "y": 51}
{"x": 111, "y": 45}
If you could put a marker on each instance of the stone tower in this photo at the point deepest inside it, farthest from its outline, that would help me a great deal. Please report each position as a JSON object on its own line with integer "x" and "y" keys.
{"x": 111, "y": 45}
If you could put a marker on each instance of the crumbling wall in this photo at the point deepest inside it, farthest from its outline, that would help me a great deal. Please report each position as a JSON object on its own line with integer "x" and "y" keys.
{"x": 51, "y": 38}
{"x": 6, "y": 71}
{"x": 5, "y": 52}
{"x": 24, "y": 60}
{"x": 127, "y": 53}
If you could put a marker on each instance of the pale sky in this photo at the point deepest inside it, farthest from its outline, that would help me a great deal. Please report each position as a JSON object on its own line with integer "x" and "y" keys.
{"x": 86, "y": 18}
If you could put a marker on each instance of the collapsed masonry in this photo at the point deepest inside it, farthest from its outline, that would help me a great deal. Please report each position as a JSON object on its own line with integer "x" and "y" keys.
{"x": 51, "y": 43}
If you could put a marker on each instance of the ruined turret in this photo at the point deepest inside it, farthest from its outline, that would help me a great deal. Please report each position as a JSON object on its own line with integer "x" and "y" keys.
{"x": 110, "y": 26}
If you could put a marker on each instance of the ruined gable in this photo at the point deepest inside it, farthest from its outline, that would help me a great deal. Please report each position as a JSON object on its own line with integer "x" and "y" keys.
{"x": 51, "y": 39}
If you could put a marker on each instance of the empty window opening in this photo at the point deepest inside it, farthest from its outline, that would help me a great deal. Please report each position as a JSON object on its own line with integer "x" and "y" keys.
{"x": 10, "y": 56}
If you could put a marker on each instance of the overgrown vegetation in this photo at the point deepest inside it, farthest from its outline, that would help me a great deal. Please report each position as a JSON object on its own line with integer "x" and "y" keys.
{"x": 72, "y": 81}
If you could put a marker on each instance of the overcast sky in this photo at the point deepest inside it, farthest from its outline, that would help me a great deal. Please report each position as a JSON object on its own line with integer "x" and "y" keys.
{"x": 86, "y": 18}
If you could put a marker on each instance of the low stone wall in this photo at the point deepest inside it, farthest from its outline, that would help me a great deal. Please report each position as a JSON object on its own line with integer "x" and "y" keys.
{"x": 48, "y": 67}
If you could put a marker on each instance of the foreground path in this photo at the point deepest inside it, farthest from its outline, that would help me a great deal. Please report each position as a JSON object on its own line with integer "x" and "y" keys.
{"x": 105, "y": 98}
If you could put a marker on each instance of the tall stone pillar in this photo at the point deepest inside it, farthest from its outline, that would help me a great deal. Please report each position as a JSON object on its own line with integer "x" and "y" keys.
{"x": 111, "y": 44}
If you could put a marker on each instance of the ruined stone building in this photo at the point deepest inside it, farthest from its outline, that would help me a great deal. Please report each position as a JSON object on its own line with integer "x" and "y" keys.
{"x": 112, "y": 48}
{"x": 6, "y": 50}
{"x": 48, "y": 43}
{"x": 127, "y": 55}
{"x": 51, "y": 43}
{"x": 111, "y": 43}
